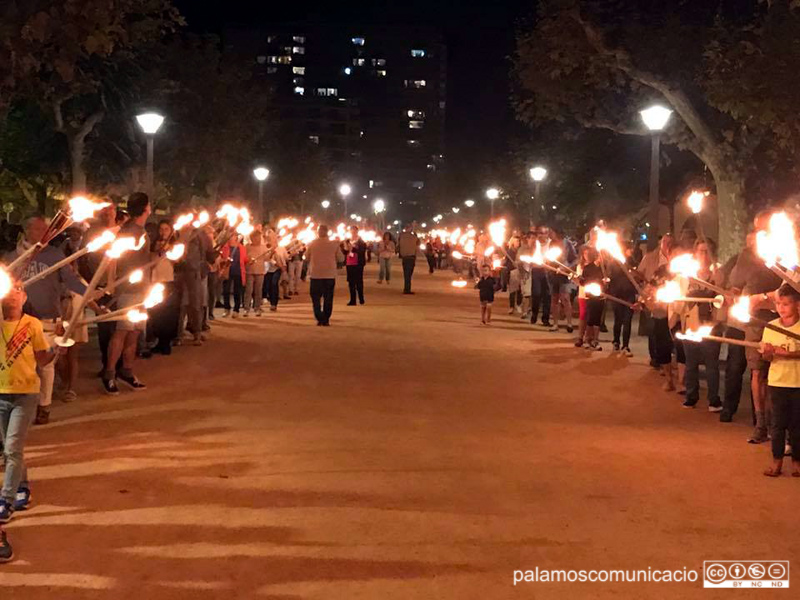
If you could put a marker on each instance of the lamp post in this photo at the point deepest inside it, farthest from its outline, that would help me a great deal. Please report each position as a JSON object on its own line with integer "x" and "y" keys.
{"x": 538, "y": 174}
{"x": 261, "y": 174}
{"x": 492, "y": 194}
{"x": 345, "y": 190}
{"x": 150, "y": 123}
{"x": 655, "y": 118}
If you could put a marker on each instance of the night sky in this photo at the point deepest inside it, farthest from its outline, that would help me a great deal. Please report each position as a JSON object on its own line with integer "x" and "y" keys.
{"x": 479, "y": 36}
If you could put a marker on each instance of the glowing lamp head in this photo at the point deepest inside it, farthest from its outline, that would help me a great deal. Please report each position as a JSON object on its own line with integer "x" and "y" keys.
{"x": 538, "y": 173}
{"x": 261, "y": 173}
{"x": 457, "y": 255}
{"x": 176, "y": 252}
{"x": 81, "y": 208}
{"x": 489, "y": 251}
{"x": 345, "y": 189}
{"x": 325, "y": 204}
{"x": 379, "y": 206}
{"x": 469, "y": 203}
{"x": 492, "y": 193}
{"x": 201, "y": 220}
{"x": 656, "y": 117}
{"x": 497, "y": 263}
{"x": 456, "y": 210}
{"x": 553, "y": 254}
{"x": 182, "y": 221}
{"x": 150, "y": 122}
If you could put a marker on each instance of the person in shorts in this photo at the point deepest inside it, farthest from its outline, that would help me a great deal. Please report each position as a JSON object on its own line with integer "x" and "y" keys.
{"x": 487, "y": 285}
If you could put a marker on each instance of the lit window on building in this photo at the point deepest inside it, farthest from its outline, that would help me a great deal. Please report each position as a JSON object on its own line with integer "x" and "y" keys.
{"x": 415, "y": 83}
{"x": 297, "y": 80}
{"x": 371, "y": 184}
{"x": 327, "y": 92}
{"x": 418, "y": 53}
{"x": 417, "y": 185}
{"x": 261, "y": 59}
{"x": 358, "y": 41}
{"x": 299, "y": 90}
{"x": 416, "y": 114}
{"x": 314, "y": 139}
{"x": 273, "y": 60}
{"x": 413, "y": 143}
{"x": 271, "y": 70}
{"x": 271, "y": 38}
{"x": 300, "y": 39}
{"x": 359, "y": 62}
{"x": 284, "y": 60}
{"x": 431, "y": 167}
{"x": 287, "y": 49}
{"x": 416, "y": 124}
{"x": 299, "y": 70}
{"x": 381, "y": 73}
{"x": 298, "y": 50}
{"x": 378, "y": 62}
{"x": 378, "y": 184}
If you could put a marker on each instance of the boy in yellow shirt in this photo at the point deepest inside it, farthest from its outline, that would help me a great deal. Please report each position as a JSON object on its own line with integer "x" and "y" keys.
{"x": 784, "y": 380}
{"x": 23, "y": 347}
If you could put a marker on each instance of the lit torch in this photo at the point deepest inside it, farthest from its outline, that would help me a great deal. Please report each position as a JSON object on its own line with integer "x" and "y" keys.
{"x": 96, "y": 244}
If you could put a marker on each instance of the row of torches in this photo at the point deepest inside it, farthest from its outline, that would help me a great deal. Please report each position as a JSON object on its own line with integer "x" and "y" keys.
{"x": 777, "y": 246}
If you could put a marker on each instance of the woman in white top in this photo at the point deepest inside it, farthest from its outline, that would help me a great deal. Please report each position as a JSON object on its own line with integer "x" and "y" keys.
{"x": 163, "y": 321}
{"x": 256, "y": 268}
{"x": 276, "y": 264}
{"x": 386, "y": 250}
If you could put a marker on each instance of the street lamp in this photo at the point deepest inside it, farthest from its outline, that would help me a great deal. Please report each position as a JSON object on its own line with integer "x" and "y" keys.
{"x": 325, "y": 204}
{"x": 379, "y": 206}
{"x": 655, "y": 118}
{"x": 469, "y": 203}
{"x": 538, "y": 174}
{"x": 492, "y": 194}
{"x": 345, "y": 190}
{"x": 150, "y": 124}
{"x": 261, "y": 174}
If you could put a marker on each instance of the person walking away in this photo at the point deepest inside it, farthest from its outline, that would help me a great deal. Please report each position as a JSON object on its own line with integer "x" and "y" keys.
{"x": 699, "y": 315}
{"x": 25, "y": 349}
{"x": 234, "y": 257}
{"x": 256, "y": 270}
{"x": 355, "y": 261}
{"x": 407, "y": 246}
{"x": 126, "y": 335}
{"x": 487, "y": 285}
{"x": 783, "y": 353}
{"x": 44, "y": 300}
{"x": 386, "y": 251}
{"x": 323, "y": 255}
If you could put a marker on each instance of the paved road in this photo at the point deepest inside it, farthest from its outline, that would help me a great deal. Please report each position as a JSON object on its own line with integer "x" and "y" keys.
{"x": 405, "y": 453}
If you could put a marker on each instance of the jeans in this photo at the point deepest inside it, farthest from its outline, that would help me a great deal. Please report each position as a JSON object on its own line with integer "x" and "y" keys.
{"x": 272, "y": 287}
{"x": 355, "y": 281}
{"x": 193, "y": 291}
{"x": 322, "y": 290}
{"x": 295, "y": 271}
{"x": 785, "y": 418}
{"x": 540, "y": 296}
{"x": 235, "y": 282}
{"x": 706, "y": 352}
{"x": 105, "y": 329}
{"x": 385, "y": 271}
{"x": 431, "y": 263}
{"x": 623, "y": 316}
{"x": 408, "y": 272}
{"x": 252, "y": 291}
{"x": 734, "y": 372}
{"x": 212, "y": 286}
{"x": 17, "y": 412}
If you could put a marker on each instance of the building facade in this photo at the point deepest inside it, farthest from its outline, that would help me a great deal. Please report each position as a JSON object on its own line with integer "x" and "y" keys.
{"x": 373, "y": 98}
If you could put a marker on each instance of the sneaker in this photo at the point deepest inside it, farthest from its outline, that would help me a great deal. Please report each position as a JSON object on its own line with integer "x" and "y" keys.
{"x": 235, "y": 315}
{"x": 259, "y": 313}
{"x": 110, "y": 386}
{"x": 69, "y": 396}
{"x": 787, "y": 450}
{"x": 6, "y": 511}
{"x": 23, "y": 499}
{"x": 511, "y": 311}
{"x": 132, "y": 382}
{"x": 553, "y": 328}
{"x": 579, "y": 344}
{"x": 273, "y": 308}
{"x": 546, "y": 324}
{"x": 616, "y": 346}
{"x": 246, "y": 313}
{"x": 206, "y": 327}
{"x": 596, "y": 347}
{"x": 351, "y": 304}
{"x": 42, "y": 415}
{"x": 603, "y": 328}
{"x": 6, "y": 552}
{"x": 759, "y": 436}
{"x": 226, "y": 314}
{"x": 570, "y": 329}
{"x": 689, "y": 404}
{"x": 197, "y": 340}
{"x": 715, "y": 408}
{"x": 627, "y": 352}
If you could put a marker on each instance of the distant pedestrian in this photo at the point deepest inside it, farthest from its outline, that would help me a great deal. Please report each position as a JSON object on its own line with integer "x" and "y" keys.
{"x": 355, "y": 261}
{"x": 408, "y": 244}
{"x": 323, "y": 255}
{"x": 386, "y": 251}
{"x": 486, "y": 286}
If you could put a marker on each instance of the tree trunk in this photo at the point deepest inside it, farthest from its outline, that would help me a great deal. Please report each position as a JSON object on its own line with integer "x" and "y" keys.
{"x": 77, "y": 150}
{"x": 732, "y": 214}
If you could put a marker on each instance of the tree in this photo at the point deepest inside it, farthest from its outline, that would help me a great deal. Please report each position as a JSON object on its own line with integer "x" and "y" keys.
{"x": 74, "y": 56}
{"x": 726, "y": 69}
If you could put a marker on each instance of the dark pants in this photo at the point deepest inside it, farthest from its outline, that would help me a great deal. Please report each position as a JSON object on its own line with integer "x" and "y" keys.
{"x": 540, "y": 296}
{"x": 785, "y": 418}
{"x": 623, "y": 317}
{"x": 213, "y": 293}
{"x": 514, "y": 299}
{"x": 706, "y": 352}
{"x": 322, "y": 290}
{"x": 105, "y": 329}
{"x": 234, "y": 282}
{"x": 272, "y": 288}
{"x": 408, "y": 272}
{"x": 355, "y": 281}
{"x": 164, "y": 317}
{"x": 431, "y": 262}
{"x": 734, "y": 372}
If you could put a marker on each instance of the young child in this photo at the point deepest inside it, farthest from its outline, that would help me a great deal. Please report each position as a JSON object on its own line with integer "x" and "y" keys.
{"x": 24, "y": 347}
{"x": 784, "y": 380}
{"x": 486, "y": 286}
{"x": 592, "y": 272}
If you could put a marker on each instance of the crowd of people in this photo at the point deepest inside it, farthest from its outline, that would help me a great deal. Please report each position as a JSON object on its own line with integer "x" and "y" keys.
{"x": 246, "y": 274}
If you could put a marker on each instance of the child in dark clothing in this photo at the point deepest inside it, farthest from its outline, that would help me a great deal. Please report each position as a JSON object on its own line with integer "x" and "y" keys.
{"x": 486, "y": 286}
{"x": 592, "y": 273}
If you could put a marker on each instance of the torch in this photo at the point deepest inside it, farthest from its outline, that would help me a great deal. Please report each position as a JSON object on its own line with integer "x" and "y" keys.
{"x": 594, "y": 289}
{"x": 96, "y": 244}
{"x": 687, "y": 266}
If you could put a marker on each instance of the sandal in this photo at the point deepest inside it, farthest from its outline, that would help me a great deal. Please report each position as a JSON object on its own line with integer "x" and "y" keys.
{"x": 772, "y": 472}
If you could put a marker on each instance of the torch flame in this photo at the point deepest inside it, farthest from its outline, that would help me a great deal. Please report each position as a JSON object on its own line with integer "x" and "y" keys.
{"x": 5, "y": 282}
{"x": 457, "y": 254}
{"x": 669, "y": 292}
{"x": 155, "y": 296}
{"x": 778, "y": 244}
{"x": 121, "y": 245}
{"x": 284, "y": 241}
{"x": 497, "y": 263}
{"x": 136, "y": 316}
{"x": 497, "y": 231}
{"x": 176, "y": 252}
{"x": 607, "y": 240}
{"x": 202, "y": 219}
{"x": 538, "y": 257}
{"x": 489, "y": 251}
{"x": 741, "y": 309}
{"x": 82, "y": 208}
{"x": 458, "y": 283}
{"x": 101, "y": 240}
{"x": 593, "y": 289}
{"x": 136, "y": 276}
{"x": 245, "y": 228}
{"x": 182, "y": 221}
{"x": 695, "y": 335}
{"x": 695, "y": 201}
{"x": 685, "y": 265}
{"x": 553, "y": 254}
